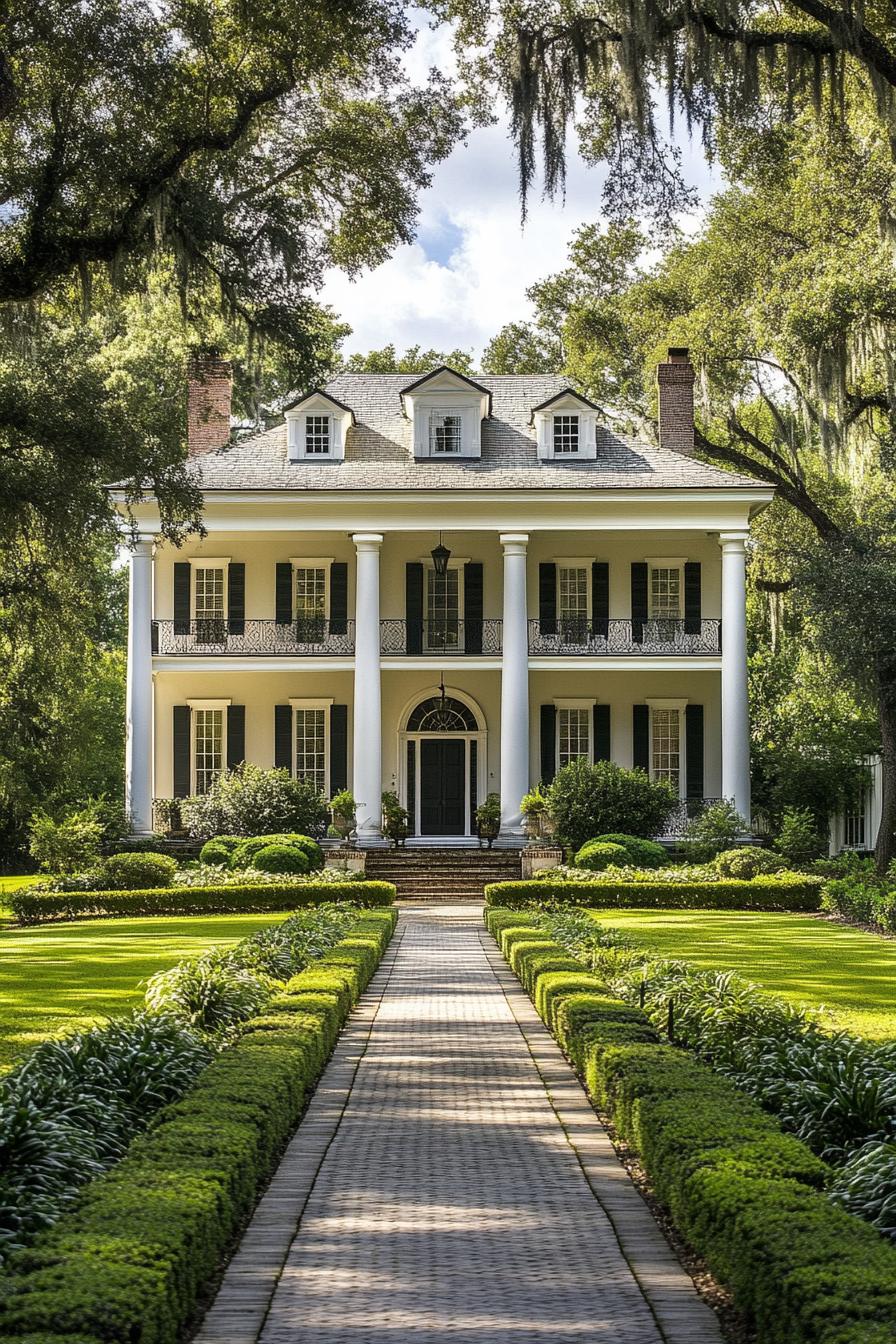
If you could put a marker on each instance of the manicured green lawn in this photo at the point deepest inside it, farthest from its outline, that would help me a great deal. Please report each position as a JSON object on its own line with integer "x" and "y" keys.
{"x": 57, "y": 977}
{"x": 798, "y": 957}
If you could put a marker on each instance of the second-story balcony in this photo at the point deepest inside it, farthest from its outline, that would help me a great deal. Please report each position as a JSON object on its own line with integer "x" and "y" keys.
{"x": 315, "y": 637}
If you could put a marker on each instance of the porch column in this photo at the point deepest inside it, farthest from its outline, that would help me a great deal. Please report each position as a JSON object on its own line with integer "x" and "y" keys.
{"x": 138, "y": 704}
{"x": 735, "y": 705}
{"x": 514, "y": 685}
{"x": 367, "y": 782}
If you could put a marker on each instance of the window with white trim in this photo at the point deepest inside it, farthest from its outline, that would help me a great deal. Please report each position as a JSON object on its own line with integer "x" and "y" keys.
{"x": 573, "y": 734}
{"x": 565, "y": 430}
{"x": 665, "y": 592}
{"x": 317, "y": 435}
{"x": 311, "y": 591}
{"x": 445, "y": 432}
{"x": 310, "y": 729}
{"x": 208, "y": 747}
{"x": 443, "y": 608}
{"x": 210, "y": 602}
{"x": 572, "y": 603}
{"x": 665, "y": 747}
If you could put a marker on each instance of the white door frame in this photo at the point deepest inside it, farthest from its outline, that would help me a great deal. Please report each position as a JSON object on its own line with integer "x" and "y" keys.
{"x": 479, "y": 736}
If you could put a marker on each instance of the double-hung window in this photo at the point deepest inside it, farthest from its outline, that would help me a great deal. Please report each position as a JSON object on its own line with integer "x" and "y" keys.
{"x": 317, "y": 436}
{"x": 443, "y": 612}
{"x": 209, "y": 603}
{"x": 573, "y": 733}
{"x": 445, "y": 432}
{"x": 311, "y": 745}
{"x": 565, "y": 435}
{"x": 665, "y": 592}
{"x": 310, "y": 603}
{"x": 665, "y": 746}
{"x": 208, "y": 747}
{"x": 572, "y": 603}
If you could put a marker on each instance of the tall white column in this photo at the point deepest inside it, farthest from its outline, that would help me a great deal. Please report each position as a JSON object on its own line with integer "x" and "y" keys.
{"x": 138, "y": 707}
{"x": 367, "y": 783}
{"x": 735, "y": 704}
{"x": 514, "y": 685}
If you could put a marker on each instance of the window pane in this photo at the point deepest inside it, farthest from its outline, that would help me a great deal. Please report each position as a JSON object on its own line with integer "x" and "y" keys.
{"x": 566, "y": 434}
{"x": 209, "y": 593}
{"x": 666, "y": 746}
{"x": 665, "y": 594}
{"x": 442, "y": 609}
{"x": 317, "y": 435}
{"x": 444, "y": 433}
{"x": 311, "y": 747}
{"x": 573, "y": 734}
{"x": 208, "y": 746}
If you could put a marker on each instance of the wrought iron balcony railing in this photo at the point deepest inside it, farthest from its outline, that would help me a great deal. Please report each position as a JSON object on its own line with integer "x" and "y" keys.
{"x": 448, "y": 638}
{"x": 308, "y": 636}
{"x": 595, "y": 638}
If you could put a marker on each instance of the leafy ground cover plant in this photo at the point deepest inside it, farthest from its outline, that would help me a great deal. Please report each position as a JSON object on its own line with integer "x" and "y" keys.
{"x": 747, "y": 862}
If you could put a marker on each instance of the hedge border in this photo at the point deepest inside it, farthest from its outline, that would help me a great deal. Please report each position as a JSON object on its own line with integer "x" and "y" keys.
{"x": 747, "y": 1196}
{"x": 30, "y": 907}
{"x": 798, "y": 893}
{"x": 128, "y": 1264}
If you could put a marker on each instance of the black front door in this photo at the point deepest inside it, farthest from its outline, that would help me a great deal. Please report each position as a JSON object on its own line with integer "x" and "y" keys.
{"x": 442, "y": 786}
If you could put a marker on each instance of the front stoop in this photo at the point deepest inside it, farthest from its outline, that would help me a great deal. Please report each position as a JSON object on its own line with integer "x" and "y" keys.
{"x": 443, "y": 874}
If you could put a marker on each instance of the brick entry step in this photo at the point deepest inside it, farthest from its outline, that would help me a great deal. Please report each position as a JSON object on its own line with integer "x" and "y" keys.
{"x": 443, "y": 874}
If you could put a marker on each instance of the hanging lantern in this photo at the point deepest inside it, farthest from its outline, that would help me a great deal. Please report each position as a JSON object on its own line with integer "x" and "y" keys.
{"x": 440, "y": 557}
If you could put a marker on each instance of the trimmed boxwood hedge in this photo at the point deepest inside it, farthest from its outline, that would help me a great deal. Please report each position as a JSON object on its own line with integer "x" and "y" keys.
{"x": 129, "y": 1262}
{"x": 779, "y": 891}
{"x": 747, "y": 1196}
{"x": 36, "y": 907}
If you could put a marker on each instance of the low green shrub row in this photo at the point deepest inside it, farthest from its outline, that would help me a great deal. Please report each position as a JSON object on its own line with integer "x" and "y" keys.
{"x": 36, "y": 907}
{"x": 785, "y": 891}
{"x": 862, "y": 898}
{"x": 745, "y": 1195}
{"x": 128, "y": 1264}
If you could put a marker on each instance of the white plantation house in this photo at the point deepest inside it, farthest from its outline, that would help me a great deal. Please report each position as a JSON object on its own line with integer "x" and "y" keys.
{"x": 444, "y": 587}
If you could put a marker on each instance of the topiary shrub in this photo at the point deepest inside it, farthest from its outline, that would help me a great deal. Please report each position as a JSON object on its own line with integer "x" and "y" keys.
{"x": 243, "y": 856}
{"x": 642, "y": 853}
{"x": 219, "y": 850}
{"x": 280, "y": 859}
{"x": 747, "y": 863}
{"x": 598, "y": 855}
{"x": 138, "y": 872}
{"x": 587, "y": 800}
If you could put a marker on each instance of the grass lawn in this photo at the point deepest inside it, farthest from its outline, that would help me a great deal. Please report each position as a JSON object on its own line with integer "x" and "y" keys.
{"x": 57, "y": 977}
{"x": 805, "y": 960}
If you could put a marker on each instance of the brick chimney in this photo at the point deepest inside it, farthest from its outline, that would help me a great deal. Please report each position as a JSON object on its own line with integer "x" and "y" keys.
{"x": 209, "y": 389}
{"x": 675, "y": 384}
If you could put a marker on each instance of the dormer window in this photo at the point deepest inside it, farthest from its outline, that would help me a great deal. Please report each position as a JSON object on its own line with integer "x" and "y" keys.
{"x": 566, "y": 428}
{"x": 316, "y": 427}
{"x": 445, "y": 432}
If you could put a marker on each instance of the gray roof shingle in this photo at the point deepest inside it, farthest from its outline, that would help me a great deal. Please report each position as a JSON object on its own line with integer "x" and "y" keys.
{"x": 379, "y": 451}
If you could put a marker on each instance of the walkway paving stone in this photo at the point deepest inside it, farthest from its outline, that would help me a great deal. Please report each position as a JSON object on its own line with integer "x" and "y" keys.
{"x": 450, "y": 1182}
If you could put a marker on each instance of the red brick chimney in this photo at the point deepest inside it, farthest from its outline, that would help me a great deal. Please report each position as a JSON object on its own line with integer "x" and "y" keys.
{"x": 209, "y": 389}
{"x": 675, "y": 383}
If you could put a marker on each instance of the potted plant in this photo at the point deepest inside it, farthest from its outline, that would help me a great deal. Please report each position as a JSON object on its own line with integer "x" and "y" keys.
{"x": 396, "y": 823}
{"x": 534, "y": 806}
{"x": 344, "y": 813}
{"x": 488, "y": 819}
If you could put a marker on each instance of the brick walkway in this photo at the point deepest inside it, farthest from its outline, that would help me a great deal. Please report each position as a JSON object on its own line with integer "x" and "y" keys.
{"x": 450, "y": 1182}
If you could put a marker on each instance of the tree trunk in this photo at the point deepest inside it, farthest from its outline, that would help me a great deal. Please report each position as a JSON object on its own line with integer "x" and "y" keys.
{"x": 885, "y": 849}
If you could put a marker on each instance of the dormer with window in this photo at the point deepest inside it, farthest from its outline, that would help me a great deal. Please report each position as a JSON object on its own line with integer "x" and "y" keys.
{"x": 316, "y": 427}
{"x": 446, "y": 410}
{"x": 566, "y": 428}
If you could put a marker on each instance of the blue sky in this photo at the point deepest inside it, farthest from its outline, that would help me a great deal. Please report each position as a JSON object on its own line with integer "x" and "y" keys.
{"x": 466, "y": 274}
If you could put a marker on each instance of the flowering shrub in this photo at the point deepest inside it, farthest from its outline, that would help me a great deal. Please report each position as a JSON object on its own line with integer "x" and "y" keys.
{"x": 206, "y": 875}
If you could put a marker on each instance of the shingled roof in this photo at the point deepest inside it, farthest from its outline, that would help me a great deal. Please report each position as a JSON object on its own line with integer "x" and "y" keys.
{"x": 379, "y": 451}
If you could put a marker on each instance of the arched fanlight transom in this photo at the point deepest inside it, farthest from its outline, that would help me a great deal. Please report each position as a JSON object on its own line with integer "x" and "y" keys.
{"x": 438, "y": 715}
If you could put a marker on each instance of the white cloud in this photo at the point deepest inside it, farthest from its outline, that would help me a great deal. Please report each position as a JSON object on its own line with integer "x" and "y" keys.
{"x": 467, "y": 273}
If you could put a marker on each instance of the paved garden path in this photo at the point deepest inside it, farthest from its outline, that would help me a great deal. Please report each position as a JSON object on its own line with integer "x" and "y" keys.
{"x": 450, "y": 1182}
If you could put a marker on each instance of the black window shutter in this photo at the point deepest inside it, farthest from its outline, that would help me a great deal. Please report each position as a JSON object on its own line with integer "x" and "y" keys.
{"x": 473, "y": 607}
{"x": 236, "y": 735}
{"x": 338, "y": 599}
{"x": 413, "y": 611}
{"x": 283, "y": 737}
{"x": 283, "y": 594}
{"x": 182, "y": 721}
{"x": 641, "y": 737}
{"x": 639, "y": 601}
{"x": 692, "y": 600}
{"x": 547, "y": 599}
{"x": 602, "y": 733}
{"x": 236, "y": 599}
{"x": 338, "y": 748}
{"x": 600, "y": 598}
{"x": 181, "y": 599}
{"x": 693, "y": 736}
{"x": 548, "y": 742}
